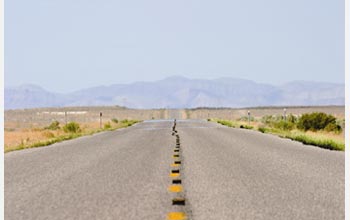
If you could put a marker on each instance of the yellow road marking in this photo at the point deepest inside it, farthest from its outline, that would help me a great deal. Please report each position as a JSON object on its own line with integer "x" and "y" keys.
{"x": 175, "y": 188}
{"x": 175, "y": 165}
{"x": 177, "y": 216}
{"x": 174, "y": 174}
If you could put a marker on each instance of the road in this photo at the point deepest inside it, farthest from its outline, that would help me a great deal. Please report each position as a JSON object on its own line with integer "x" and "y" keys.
{"x": 127, "y": 174}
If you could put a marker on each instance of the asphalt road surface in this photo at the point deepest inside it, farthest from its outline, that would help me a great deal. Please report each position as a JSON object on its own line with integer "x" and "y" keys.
{"x": 131, "y": 173}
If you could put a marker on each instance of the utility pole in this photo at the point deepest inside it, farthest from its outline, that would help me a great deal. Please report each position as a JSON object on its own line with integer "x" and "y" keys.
{"x": 285, "y": 114}
{"x": 248, "y": 117}
{"x": 100, "y": 120}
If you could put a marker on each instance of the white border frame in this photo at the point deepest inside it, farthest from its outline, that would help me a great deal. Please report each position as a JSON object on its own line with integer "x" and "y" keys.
{"x": 347, "y": 109}
{"x": 2, "y": 79}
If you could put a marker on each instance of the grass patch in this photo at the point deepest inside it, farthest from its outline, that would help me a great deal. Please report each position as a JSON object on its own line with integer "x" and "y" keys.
{"x": 323, "y": 143}
{"x": 326, "y": 140}
{"x": 226, "y": 123}
{"x": 50, "y": 138}
{"x": 42, "y": 143}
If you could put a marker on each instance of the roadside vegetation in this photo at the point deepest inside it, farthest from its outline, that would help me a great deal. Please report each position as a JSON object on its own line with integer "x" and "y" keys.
{"x": 317, "y": 128}
{"x": 18, "y": 139}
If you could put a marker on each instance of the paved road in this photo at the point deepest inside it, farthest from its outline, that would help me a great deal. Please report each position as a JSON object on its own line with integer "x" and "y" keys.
{"x": 226, "y": 174}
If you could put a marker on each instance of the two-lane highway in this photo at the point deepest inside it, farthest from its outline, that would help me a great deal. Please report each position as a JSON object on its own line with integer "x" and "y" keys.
{"x": 226, "y": 174}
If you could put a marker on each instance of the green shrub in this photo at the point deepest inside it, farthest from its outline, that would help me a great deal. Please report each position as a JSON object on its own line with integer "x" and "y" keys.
{"x": 107, "y": 125}
{"x": 292, "y": 119}
{"x": 55, "y": 125}
{"x": 333, "y": 128}
{"x": 271, "y": 119}
{"x": 125, "y": 121}
{"x": 262, "y": 129}
{"x": 246, "y": 127}
{"x": 131, "y": 122}
{"x": 316, "y": 121}
{"x": 341, "y": 123}
{"x": 71, "y": 127}
{"x": 268, "y": 119}
{"x": 284, "y": 125}
{"x": 246, "y": 118}
{"x": 115, "y": 120}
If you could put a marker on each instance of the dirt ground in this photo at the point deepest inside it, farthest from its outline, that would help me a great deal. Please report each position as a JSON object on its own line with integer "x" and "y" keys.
{"x": 233, "y": 114}
{"x": 41, "y": 117}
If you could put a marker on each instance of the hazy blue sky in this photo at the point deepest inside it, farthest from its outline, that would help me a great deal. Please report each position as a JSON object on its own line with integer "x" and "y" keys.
{"x": 65, "y": 45}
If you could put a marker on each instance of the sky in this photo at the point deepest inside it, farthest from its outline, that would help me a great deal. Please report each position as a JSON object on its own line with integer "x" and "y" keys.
{"x": 65, "y": 45}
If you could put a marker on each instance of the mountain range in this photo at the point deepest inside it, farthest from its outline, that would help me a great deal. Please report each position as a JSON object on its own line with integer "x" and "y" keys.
{"x": 181, "y": 92}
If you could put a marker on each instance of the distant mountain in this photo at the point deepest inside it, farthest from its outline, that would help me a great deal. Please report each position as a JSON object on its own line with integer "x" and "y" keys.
{"x": 181, "y": 92}
{"x": 31, "y": 96}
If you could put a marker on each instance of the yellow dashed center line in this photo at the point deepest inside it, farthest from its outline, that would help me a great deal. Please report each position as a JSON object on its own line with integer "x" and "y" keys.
{"x": 177, "y": 216}
{"x": 175, "y": 188}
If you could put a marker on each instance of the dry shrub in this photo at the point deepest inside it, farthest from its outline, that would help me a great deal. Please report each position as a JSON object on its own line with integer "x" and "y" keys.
{"x": 48, "y": 134}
